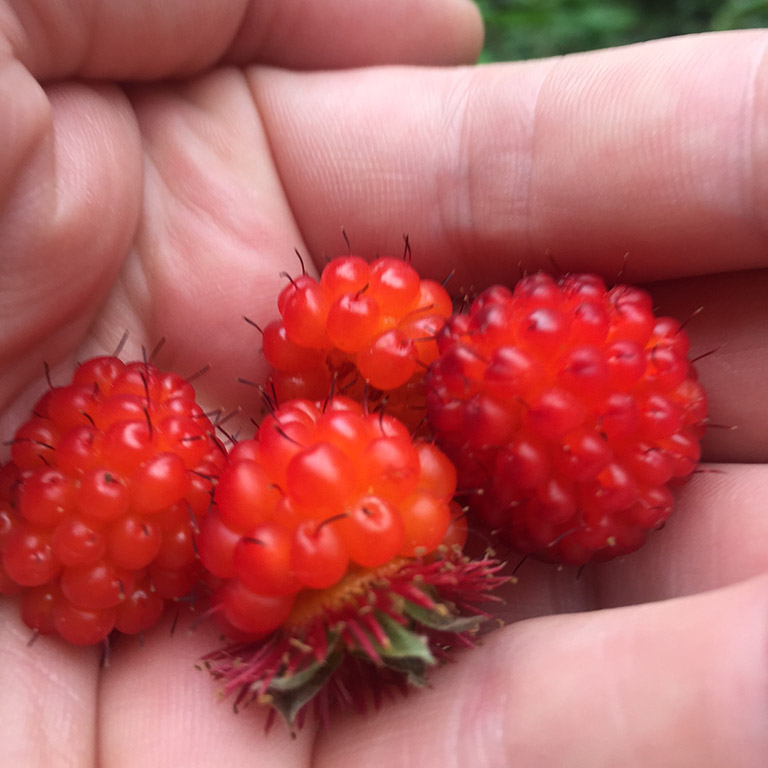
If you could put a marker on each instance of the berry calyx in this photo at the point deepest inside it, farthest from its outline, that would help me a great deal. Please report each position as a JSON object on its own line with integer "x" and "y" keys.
{"x": 568, "y": 408}
{"x": 101, "y": 500}
{"x": 351, "y": 645}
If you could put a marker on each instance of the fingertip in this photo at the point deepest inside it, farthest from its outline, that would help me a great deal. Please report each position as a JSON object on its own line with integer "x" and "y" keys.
{"x": 470, "y": 22}
{"x": 335, "y": 35}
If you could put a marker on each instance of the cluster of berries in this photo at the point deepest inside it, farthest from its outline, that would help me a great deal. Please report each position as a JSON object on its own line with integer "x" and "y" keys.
{"x": 100, "y": 502}
{"x": 331, "y": 544}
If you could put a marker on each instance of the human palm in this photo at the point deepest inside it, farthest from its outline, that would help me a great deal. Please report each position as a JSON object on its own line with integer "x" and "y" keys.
{"x": 169, "y": 208}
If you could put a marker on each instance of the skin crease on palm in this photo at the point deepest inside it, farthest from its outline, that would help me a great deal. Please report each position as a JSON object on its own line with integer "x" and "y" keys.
{"x": 169, "y": 205}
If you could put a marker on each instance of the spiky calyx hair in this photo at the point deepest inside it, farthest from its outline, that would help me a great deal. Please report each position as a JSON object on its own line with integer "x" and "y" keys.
{"x": 373, "y": 634}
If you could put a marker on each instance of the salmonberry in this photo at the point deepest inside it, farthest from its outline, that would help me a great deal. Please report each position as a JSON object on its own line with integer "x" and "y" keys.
{"x": 100, "y": 500}
{"x": 335, "y": 537}
{"x": 361, "y": 325}
{"x": 568, "y": 410}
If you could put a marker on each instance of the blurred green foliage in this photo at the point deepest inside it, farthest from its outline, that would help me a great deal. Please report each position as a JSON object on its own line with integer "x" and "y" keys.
{"x": 527, "y": 29}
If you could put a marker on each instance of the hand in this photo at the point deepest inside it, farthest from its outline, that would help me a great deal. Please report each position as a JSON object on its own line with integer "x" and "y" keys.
{"x": 169, "y": 208}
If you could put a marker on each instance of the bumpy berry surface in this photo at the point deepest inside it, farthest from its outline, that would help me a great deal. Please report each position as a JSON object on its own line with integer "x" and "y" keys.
{"x": 100, "y": 501}
{"x": 361, "y": 322}
{"x": 334, "y": 534}
{"x": 569, "y": 409}
{"x": 325, "y": 490}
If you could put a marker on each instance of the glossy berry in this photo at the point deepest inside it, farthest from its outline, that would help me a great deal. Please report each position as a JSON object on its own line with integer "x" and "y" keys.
{"x": 339, "y": 553}
{"x": 324, "y": 490}
{"x": 568, "y": 409}
{"x": 101, "y": 499}
{"x": 361, "y": 323}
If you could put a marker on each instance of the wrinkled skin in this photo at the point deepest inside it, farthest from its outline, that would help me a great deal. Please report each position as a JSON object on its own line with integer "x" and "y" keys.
{"x": 160, "y": 163}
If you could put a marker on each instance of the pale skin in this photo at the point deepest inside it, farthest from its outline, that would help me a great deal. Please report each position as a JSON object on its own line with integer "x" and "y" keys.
{"x": 168, "y": 205}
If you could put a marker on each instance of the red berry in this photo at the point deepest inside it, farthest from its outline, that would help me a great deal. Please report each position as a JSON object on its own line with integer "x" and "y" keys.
{"x": 45, "y": 496}
{"x": 336, "y": 543}
{"x": 324, "y": 485}
{"x": 347, "y": 275}
{"x": 262, "y": 560}
{"x": 360, "y": 323}
{"x": 321, "y": 477}
{"x": 352, "y": 320}
{"x": 388, "y": 361}
{"x": 133, "y": 542}
{"x": 82, "y": 626}
{"x": 305, "y": 313}
{"x": 34, "y": 443}
{"x": 373, "y": 532}
{"x": 103, "y": 489}
{"x": 102, "y": 495}
{"x": 394, "y": 284}
{"x": 37, "y": 606}
{"x": 319, "y": 558}
{"x": 95, "y": 587}
{"x": 216, "y": 546}
{"x": 426, "y": 519}
{"x": 569, "y": 407}
{"x": 286, "y": 355}
{"x": 78, "y": 542}
{"x": 251, "y": 612}
{"x": 139, "y": 611}
{"x": 28, "y": 556}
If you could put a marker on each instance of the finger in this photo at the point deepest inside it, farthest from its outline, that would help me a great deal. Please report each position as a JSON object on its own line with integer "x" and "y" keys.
{"x": 147, "y": 40}
{"x": 658, "y": 151}
{"x": 70, "y": 192}
{"x": 48, "y": 704}
{"x": 157, "y": 709}
{"x": 307, "y": 35}
{"x": 213, "y": 239}
{"x": 215, "y": 242}
{"x": 726, "y": 317}
{"x": 679, "y": 683}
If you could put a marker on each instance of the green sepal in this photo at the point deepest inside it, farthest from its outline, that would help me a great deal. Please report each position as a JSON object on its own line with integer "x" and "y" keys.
{"x": 287, "y": 683}
{"x": 403, "y": 643}
{"x": 406, "y": 652}
{"x": 414, "y": 670}
{"x": 442, "y": 620}
{"x": 289, "y": 695}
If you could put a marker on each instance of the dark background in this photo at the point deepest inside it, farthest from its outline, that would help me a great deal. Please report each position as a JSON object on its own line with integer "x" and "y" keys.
{"x": 527, "y": 29}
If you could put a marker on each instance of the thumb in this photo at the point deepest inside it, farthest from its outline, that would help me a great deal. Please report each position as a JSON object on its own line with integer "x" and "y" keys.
{"x": 678, "y": 683}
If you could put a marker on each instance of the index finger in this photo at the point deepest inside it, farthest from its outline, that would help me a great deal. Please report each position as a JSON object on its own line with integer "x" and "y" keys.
{"x": 656, "y": 151}
{"x": 141, "y": 40}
